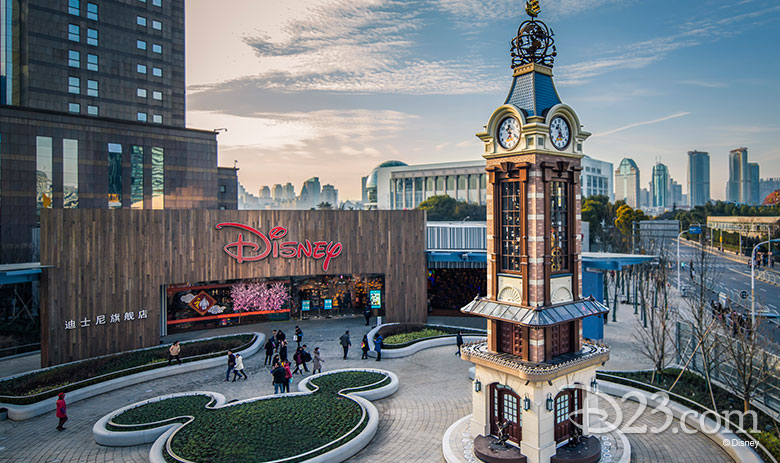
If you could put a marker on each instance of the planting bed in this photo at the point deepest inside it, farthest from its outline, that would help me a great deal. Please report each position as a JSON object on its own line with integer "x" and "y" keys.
{"x": 258, "y": 430}
{"x": 42, "y": 384}
{"x": 401, "y": 335}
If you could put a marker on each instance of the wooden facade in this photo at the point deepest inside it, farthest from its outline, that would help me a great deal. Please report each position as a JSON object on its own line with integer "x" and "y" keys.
{"x": 108, "y": 262}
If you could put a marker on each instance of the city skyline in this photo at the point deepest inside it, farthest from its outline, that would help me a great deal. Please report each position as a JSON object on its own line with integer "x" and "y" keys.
{"x": 335, "y": 88}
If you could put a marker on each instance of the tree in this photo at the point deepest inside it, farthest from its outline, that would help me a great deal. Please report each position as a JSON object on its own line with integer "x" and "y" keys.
{"x": 625, "y": 216}
{"x": 745, "y": 356}
{"x": 324, "y": 205}
{"x": 254, "y": 295}
{"x": 446, "y": 208}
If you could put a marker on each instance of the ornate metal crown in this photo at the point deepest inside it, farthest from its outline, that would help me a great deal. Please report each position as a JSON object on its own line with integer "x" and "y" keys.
{"x": 534, "y": 42}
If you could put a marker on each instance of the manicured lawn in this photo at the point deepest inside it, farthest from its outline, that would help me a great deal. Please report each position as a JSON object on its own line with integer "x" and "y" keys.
{"x": 262, "y": 430}
{"x": 40, "y": 385}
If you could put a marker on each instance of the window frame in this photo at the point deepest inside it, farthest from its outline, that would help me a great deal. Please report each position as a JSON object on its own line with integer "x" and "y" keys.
{"x": 93, "y": 41}
{"x": 92, "y": 15}
{"x": 76, "y": 60}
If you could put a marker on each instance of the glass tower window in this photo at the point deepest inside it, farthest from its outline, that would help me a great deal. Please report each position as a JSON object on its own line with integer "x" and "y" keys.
{"x": 157, "y": 95}
{"x": 157, "y": 72}
{"x": 74, "y": 85}
{"x": 44, "y": 170}
{"x": 70, "y": 173}
{"x": 137, "y": 177}
{"x": 114, "y": 175}
{"x": 92, "y": 11}
{"x": 92, "y": 88}
{"x": 157, "y": 2}
{"x": 74, "y": 108}
{"x": 158, "y": 178}
{"x": 92, "y": 110}
{"x": 74, "y": 33}
{"x": 73, "y": 7}
{"x": 92, "y": 62}
{"x": 140, "y": 44}
{"x": 140, "y": 20}
{"x": 157, "y": 119}
{"x": 141, "y": 68}
{"x": 156, "y": 25}
{"x": 141, "y": 117}
{"x": 559, "y": 227}
{"x": 156, "y": 48}
{"x": 141, "y": 93}
{"x": 74, "y": 59}
{"x": 511, "y": 226}
{"x": 92, "y": 37}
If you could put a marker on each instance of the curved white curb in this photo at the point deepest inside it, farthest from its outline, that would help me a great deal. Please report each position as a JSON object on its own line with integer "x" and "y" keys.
{"x": 742, "y": 454}
{"x": 419, "y": 345}
{"x": 160, "y": 435}
{"x": 103, "y": 436}
{"x": 25, "y": 412}
{"x": 450, "y": 456}
{"x": 472, "y": 373}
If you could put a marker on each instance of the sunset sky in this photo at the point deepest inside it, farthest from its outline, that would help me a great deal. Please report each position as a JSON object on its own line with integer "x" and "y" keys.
{"x": 331, "y": 88}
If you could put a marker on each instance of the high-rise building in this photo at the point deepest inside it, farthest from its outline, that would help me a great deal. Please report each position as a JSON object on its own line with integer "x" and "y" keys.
{"x": 659, "y": 186}
{"x": 698, "y": 178}
{"x": 265, "y": 192}
{"x": 755, "y": 184}
{"x": 766, "y": 186}
{"x": 278, "y": 192}
{"x": 289, "y": 192}
{"x": 330, "y": 195}
{"x": 627, "y": 183}
{"x": 313, "y": 191}
{"x": 645, "y": 200}
{"x": 93, "y": 111}
{"x": 738, "y": 186}
{"x": 675, "y": 194}
{"x": 596, "y": 178}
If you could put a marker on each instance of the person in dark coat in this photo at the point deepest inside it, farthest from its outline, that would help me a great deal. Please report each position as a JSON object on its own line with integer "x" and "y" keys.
{"x": 459, "y": 342}
{"x": 280, "y": 336}
{"x": 378, "y": 347}
{"x": 269, "y": 351}
{"x": 231, "y": 364}
{"x": 305, "y": 357}
{"x": 364, "y": 347}
{"x": 298, "y": 336}
{"x": 62, "y": 412}
{"x": 367, "y": 314}
{"x": 283, "y": 351}
{"x": 345, "y": 343}
{"x": 279, "y": 375}
{"x": 298, "y": 359}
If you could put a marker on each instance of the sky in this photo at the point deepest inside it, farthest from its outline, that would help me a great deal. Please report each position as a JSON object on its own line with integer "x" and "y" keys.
{"x": 332, "y": 88}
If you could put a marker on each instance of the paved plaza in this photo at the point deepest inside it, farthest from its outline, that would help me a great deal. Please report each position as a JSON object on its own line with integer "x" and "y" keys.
{"x": 434, "y": 392}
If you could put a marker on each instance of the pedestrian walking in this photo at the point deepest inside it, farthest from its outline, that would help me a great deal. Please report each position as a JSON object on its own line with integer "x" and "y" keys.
{"x": 62, "y": 412}
{"x": 269, "y": 351}
{"x": 298, "y": 359}
{"x": 288, "y": 376}
{"x": 280, "y": 377}
{"x": 280, "y": 336}
{"x": 274, "y": 340}
{"x": 231, "y": 364}
{"x": 459, "y": 342}
{"x": 364, "y": 347}
{"x": 345, "y": 343}
{"x": 238, "y": 371}
{"x": 283, "y": 351}
{"x": 316, "y": 367}
{"x": 298, "y": 336}
{"x": 367, "y": 314}
{"x": 174, "y": 352}
{"x": 305, "y": 357}
{"x": 378, "y": 347}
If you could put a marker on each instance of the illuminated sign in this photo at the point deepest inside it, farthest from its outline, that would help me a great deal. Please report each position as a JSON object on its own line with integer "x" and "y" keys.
{"x": 305, "y": 305}
{"x": 271, "y": 246}
{"x": 328, "y": 304}
{"x": 375, "y": 296}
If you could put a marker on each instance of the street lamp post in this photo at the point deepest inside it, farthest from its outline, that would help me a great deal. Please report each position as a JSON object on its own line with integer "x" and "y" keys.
{"x": 753, "y": 280}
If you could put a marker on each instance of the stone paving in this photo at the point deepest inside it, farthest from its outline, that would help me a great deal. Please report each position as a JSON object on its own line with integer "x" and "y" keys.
{"x": 434, "y": 392}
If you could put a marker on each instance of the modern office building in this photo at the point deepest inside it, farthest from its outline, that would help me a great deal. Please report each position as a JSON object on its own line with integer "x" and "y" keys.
{"x": 676, "y": 195}
{"x": 767, "y": 186}
{"x": 645, "y": 200}
{"x": 698, "y": 178}
{"x": 596, "y": 178}
{"x": 627, "y": 183}
{"x": 659, "y": 186}
{"x": 330, "y": 195}
{"x": 92, "y": 115}
{"x": 738, "y": 186}
{"x": 395, "y": 185}
{"x": 755, "y": 184}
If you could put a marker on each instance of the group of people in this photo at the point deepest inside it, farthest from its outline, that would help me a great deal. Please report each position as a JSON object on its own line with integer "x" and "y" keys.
{"x": 276, "y": 355}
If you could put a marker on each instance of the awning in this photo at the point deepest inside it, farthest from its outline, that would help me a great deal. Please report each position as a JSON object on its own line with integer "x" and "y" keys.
{"x": 20, "y": 273}
{"x": 527, "y": 316}
{"x": 612, "y": 261}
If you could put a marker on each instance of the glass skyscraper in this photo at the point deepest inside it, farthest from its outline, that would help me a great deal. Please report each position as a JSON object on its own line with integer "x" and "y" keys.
{"x": 698, "y": 178}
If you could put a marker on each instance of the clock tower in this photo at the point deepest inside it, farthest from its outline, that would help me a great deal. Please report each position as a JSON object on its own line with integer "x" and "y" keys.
{"x": 535, "y": 372}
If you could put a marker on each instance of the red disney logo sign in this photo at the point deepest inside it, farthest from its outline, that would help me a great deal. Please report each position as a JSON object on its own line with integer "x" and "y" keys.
{"x": 326, "y": 250}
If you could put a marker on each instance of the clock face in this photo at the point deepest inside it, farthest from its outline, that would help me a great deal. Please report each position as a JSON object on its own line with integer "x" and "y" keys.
{"x": 560, "y": 134}
{"x": 509, "y": 133}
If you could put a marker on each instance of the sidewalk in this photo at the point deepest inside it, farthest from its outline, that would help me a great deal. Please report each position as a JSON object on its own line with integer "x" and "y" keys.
{"x": 620, "y": 336}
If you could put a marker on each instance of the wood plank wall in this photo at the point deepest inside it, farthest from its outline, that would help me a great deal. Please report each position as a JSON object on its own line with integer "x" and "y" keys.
{"x": 115, "y": 261}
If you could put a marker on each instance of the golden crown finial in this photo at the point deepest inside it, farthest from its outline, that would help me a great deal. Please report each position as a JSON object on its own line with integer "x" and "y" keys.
{"x": 532, "y": 8}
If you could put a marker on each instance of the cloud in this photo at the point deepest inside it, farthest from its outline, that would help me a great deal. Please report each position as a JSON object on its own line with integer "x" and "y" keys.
{"x": 704, "y": 83}
{"x": 639, "y": 124}
{"x": 478, "y": 13}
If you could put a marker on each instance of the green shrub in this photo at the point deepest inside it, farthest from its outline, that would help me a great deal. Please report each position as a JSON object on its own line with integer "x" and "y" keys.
{"x": 404, "y": 334}
{"x": 404, "y": 338}
{"x": 48, "y": 383}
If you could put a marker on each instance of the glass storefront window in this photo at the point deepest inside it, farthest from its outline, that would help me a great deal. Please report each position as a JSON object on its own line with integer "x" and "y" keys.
{"x": 114, "y": 175}
{"x": 137, "y": 177}
{"x": 430, "y": 187}
{"x": 158, "y": 178}
{"x": 399, "y": 193}
{"x": 451, "y": 185}
{"x": 462, "y": 187}
{"x": 474, "y": 188}
{"x": 418, "y": 191}
{"x": 440, "y": 185}
{"x": 44, "y": 171}
{"x": 70, "y": 173}
{"x": 408, "y": 186}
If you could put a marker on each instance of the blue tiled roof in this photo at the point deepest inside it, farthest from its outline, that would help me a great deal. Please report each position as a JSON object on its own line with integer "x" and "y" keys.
{"x": 533, "y": 93}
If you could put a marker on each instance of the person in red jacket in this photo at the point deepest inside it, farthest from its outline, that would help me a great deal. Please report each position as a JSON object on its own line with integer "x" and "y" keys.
{"x": 62, "y": 413}
{"x": 287, "y": 375}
